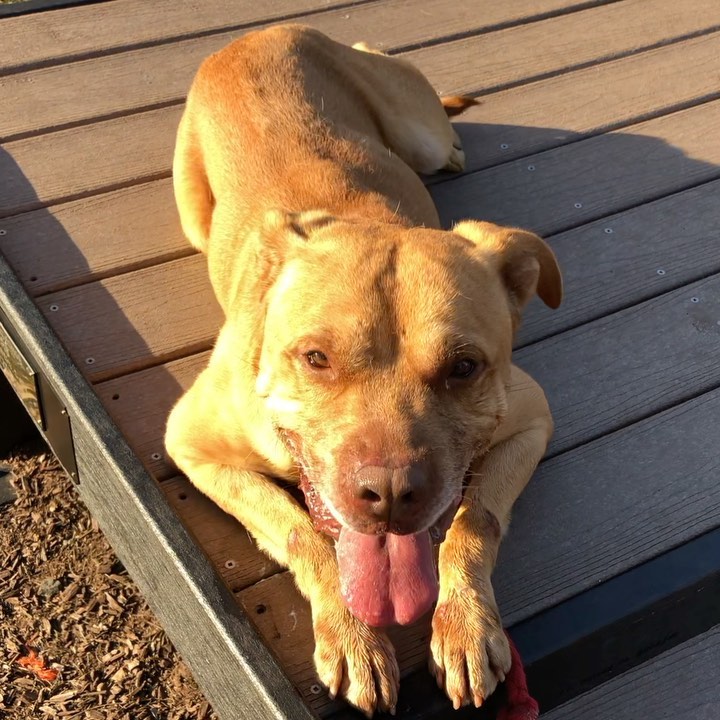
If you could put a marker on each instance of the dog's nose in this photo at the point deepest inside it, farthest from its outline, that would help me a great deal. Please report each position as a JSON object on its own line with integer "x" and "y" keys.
{"x": 391, "y": 496}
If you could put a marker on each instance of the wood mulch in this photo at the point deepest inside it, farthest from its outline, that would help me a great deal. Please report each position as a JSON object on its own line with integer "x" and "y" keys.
{"x": 76, "y": 638}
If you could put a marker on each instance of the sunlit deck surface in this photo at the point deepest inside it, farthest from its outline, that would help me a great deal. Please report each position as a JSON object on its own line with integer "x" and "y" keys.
{"x": 599, "y": 128}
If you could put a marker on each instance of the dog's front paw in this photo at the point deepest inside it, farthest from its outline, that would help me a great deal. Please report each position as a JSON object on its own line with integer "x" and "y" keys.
{"x": 356, "y": 661}
{"x": 469, "y": 652}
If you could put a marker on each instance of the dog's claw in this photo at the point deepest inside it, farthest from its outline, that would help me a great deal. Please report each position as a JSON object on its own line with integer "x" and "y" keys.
{"x": 356, "y": 662}
{"x": 471, "y": 668}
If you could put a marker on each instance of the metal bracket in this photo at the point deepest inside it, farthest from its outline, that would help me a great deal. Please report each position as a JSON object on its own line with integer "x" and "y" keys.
{"x": 38, "y": 397}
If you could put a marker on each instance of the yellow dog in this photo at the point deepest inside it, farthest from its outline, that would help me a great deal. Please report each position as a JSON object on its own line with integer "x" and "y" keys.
{"x": 365, "y": 353}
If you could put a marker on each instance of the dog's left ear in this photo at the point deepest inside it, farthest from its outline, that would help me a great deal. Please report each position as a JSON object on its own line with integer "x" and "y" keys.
{"x": 525, "y": 262}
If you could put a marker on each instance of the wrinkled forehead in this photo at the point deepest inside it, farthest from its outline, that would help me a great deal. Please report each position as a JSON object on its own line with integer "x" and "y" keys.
{"x": 448, "y": 295}
{"x": 431, "y": 290}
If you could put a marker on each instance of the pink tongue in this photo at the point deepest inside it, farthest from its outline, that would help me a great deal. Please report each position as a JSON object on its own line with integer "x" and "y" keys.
{"x": 387, "y": 579}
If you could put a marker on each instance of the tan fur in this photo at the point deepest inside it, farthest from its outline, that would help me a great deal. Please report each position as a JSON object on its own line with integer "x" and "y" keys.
{"x": 295, "y": 172}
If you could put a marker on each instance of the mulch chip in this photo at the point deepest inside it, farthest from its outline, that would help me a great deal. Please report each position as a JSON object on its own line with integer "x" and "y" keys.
{"x": 77, "y": 641}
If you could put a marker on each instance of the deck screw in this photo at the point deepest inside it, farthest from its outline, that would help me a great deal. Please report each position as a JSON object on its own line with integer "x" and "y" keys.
{"x": 230, "y": 564}
{"x": 695, "y": 299}
{"x": 315, "y": 689}
{"x": 54, "y": 308}
{"x": 155, "y": 456}
{"x": 660, "y": 271}
{"x": 3, "y": 232}
{"x": 531, "y": 168}
{"x": 578, "y": 206}
{"x": 89, "y": 361}
{"x": 608, "y": 231}
{"x": 504, "y": 146}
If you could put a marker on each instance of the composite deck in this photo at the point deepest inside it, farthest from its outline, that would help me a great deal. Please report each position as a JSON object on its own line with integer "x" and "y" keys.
{"x": 599, "y": 128}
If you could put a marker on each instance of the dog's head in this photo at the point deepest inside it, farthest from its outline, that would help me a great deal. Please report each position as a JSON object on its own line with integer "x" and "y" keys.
{"x": 385, "y": 355}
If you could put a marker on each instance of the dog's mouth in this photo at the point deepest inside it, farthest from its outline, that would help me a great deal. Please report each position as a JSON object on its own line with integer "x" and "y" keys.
{"x": 385, "y": 579}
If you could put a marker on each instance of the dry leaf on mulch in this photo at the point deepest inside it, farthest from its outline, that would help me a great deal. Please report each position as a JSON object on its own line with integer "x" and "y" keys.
{"x": 77, "y": 641}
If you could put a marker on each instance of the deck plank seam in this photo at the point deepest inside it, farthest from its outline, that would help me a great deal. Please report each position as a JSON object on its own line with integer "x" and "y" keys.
{"x": 87, "y": 122}
{"x": 189, "y": 350}
{"x": 538, "y": 17}
{"x": 101, "y": 190}
{"x": 189, "y": 251}
{"x": 436, "y": 42}
{"x": 602, "y": 60}
{"x": 92, "y": 55}
{"x": 595, "y": 217}
{"x": 689, "y": 397}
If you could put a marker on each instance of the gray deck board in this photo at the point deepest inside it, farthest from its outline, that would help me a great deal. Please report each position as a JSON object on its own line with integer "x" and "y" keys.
{"x": 574, "y": 184}
{"x": 624, "y": 259}
{"x": 608, "y": 506}
{"x": 680, "y": 684}
{"x": 620, "y": 368}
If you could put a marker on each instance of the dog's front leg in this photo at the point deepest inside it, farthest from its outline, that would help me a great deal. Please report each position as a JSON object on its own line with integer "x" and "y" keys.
{"x": 469, "y": 650}
{"x": 351, "y": 658}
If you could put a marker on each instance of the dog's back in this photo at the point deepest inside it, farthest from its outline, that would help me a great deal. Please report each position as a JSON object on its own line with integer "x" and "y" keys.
{"x": 302, "y": 121}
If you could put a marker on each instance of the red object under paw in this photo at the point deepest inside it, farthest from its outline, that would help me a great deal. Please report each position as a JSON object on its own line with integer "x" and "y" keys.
{"x": 519, "y": 705}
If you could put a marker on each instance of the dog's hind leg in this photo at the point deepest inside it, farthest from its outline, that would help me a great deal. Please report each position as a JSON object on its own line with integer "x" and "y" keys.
{"x": 414, "y": 120}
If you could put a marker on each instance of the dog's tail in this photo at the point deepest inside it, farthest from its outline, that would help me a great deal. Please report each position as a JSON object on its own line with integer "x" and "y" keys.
{"x": 455, "y": 104}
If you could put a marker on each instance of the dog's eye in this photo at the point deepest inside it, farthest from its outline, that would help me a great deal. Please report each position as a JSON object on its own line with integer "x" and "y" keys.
{"x": 463, "y": 368}
{"x": 317, "y": 359}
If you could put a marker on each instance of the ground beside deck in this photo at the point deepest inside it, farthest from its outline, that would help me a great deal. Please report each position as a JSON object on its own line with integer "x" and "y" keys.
{"x": 599, "y": 128}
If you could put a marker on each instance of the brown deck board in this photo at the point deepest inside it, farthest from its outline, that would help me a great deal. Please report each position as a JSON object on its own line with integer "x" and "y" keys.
{"x": 143, "y": 223}
{"x": 61, "y": 95}
{"x": 94, "y": 238}
{"x": 81, "y": 161}
{"x": 599, "y": 280}
{"x": 224, "y": 540}
{"x": 629, "y": 362}
{"x": 94, "y": 29}
{"x": 140, "y": 403}
{"x": 679, "y": 684}
{"x": 645, "y": 161}
{"x": 131, "y": 321}
{"x": 97, "y": 29}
